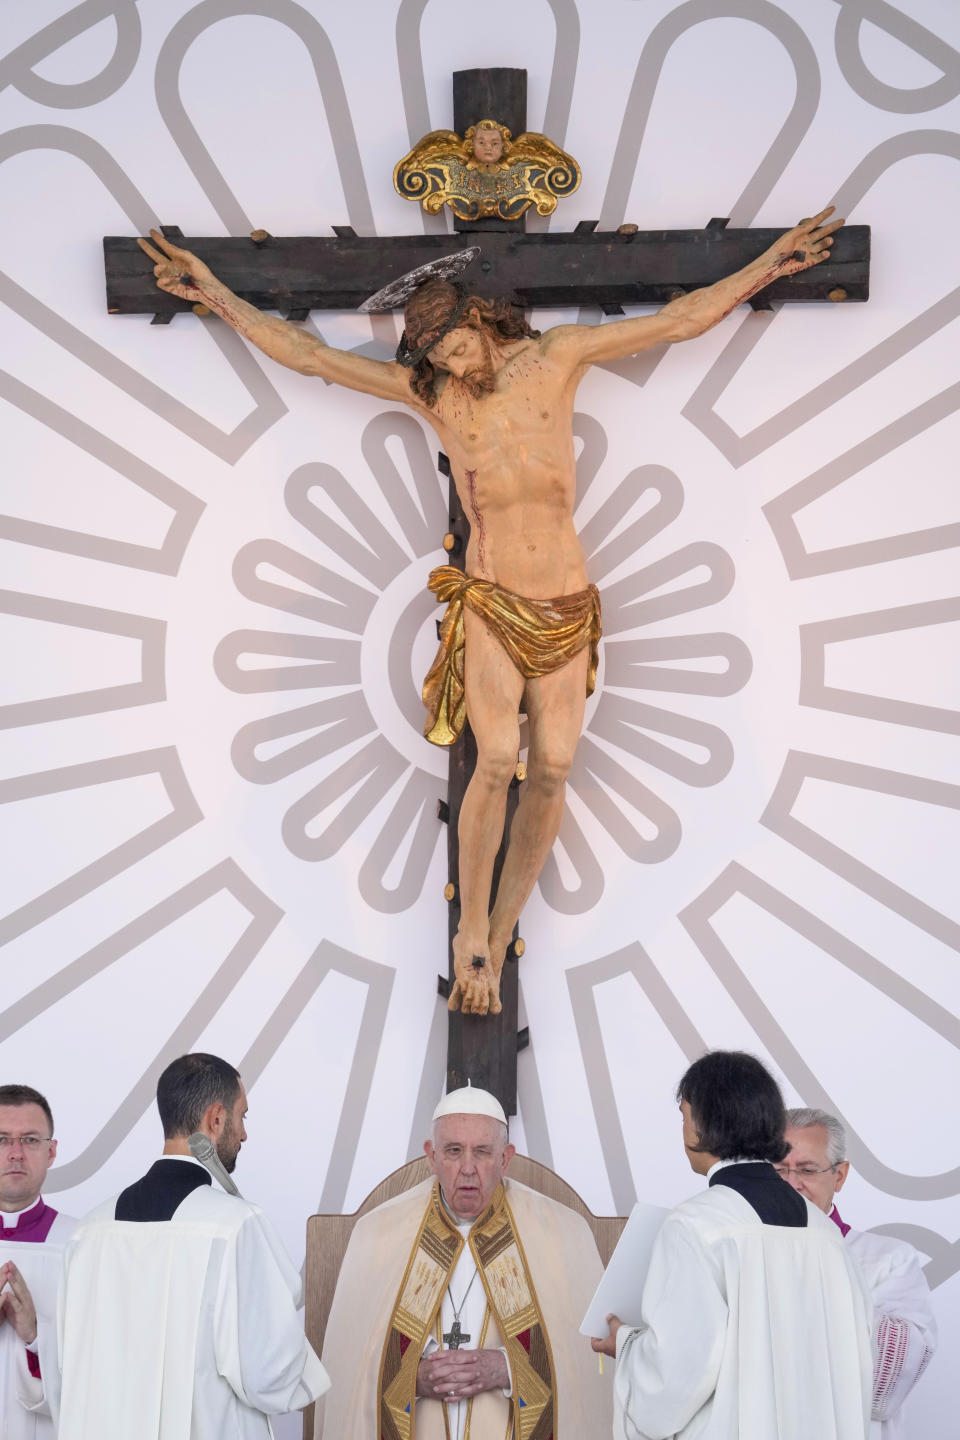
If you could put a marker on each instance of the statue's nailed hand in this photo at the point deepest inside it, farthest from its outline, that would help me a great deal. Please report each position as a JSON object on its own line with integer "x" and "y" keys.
{"x": 178, "y": 271}
{"x": 805, "y": 245}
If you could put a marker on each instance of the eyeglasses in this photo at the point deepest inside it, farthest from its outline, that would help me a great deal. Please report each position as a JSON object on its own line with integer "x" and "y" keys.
{"x": 805, "y": 1172}
{"x": 28, "y": 1142}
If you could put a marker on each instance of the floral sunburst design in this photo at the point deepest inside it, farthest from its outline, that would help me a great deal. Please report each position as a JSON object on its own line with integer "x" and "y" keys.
{"x": 370, "y": 770}
{"x": 663, "y": 589}
{"x": 329, "y": 812}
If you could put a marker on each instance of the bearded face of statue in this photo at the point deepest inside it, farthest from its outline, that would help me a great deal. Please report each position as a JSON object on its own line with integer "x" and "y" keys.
{"x": 465, "y": 353}
{"x": 488, "y": 146}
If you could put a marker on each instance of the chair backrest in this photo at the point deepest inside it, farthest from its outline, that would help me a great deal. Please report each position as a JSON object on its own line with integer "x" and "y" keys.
{"x": 329, "y": 1235}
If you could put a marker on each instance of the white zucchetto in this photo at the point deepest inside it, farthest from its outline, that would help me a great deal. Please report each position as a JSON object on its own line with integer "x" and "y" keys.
{"x": 471, "y": 1100}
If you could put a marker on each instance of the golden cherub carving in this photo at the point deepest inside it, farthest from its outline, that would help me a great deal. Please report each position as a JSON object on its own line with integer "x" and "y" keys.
{"x": 487, "y": 173}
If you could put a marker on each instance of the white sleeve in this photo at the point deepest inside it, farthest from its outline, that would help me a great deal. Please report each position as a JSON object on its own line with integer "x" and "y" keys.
{"x": 905, "y": 1332}
{"x": 30, "y": 1390}
{"x": 260, "y": 1345}
{"x": 507, "y": 1391}
{"x": 667, "y": 1369}
{"x": 39, "y": 1395}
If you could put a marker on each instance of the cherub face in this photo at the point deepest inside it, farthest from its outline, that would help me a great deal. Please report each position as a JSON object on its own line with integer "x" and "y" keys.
{"x": 488, "y": 146}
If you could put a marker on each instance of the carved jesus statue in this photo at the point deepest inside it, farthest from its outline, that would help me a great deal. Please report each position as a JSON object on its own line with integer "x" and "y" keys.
{"x": 522, "y": 624}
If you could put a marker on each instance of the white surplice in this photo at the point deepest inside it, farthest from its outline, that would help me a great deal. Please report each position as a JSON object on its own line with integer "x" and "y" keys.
{"x": 185, "y": 1329}
{"x": 905, "y": 1332}
{"x": 24, "y": 1401}
{"x": 750, "y": 1331}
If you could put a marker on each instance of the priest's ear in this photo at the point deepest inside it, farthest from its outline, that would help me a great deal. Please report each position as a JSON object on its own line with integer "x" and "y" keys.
{"x": 213, "y": 1121}
{"x": 843, "y": 1170}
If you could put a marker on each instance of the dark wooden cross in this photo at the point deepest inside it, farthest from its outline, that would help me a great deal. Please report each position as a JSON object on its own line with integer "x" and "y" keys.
{"x": 557, "y": 269}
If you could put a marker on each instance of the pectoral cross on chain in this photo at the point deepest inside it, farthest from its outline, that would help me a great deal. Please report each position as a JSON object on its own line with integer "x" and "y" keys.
{"x": 456, "y": 1337}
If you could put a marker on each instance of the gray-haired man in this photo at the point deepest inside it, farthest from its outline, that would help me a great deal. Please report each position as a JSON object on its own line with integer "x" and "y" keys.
{"x": 905, "y": 1333}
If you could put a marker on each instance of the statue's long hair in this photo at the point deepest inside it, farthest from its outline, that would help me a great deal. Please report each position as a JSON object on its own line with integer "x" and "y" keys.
{"x": 428, "y": 312}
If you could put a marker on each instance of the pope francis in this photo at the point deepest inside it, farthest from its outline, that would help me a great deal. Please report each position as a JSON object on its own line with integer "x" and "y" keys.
{"x": 456, "y": 1312}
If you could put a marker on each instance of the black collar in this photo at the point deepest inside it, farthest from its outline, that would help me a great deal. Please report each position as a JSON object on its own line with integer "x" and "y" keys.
{"x": 776, "y": 1202}
{"x": 162, "y": 1190}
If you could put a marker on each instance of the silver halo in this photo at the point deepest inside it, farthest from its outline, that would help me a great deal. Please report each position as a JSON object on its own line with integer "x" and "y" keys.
{"x": 398, "y": 292}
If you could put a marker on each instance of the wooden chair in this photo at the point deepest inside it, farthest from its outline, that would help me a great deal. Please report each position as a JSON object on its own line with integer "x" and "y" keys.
{"x": 329, "y": 1235}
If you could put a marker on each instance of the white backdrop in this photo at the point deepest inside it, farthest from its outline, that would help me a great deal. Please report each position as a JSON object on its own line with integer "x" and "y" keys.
{"x": 218, "y": 816}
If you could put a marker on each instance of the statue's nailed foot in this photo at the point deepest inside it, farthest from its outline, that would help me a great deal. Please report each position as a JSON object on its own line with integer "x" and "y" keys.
{"x": 497, "y": 951}
{"x": 476, "y": 986}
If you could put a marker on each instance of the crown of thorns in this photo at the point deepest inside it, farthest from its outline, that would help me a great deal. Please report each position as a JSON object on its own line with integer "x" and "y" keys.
{"x": 410, "y": 358}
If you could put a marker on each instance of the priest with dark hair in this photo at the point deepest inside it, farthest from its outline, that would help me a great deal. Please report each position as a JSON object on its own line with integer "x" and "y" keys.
{"x": 178, "y": 1312}
{"x": 755, "y": 1321}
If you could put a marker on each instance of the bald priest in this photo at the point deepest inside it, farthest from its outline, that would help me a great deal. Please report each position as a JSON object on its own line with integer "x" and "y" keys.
{"x": 457, "y": 1309}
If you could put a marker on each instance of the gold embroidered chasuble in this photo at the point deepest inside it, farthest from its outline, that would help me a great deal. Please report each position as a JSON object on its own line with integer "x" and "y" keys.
{"x": 511, "y": 1300}
{"x": 539, "y": 636}
{"x": 565, "y": 1269}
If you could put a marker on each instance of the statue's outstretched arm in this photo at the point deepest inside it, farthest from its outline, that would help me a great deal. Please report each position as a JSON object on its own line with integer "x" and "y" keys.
{"x": 805, "y": 245}
{"x": 181, "y": 273}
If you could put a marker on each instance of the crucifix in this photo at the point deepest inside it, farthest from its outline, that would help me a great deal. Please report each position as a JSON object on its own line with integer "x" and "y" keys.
{"x": 521, "y": 616}
{"x": 455, "y": 1337}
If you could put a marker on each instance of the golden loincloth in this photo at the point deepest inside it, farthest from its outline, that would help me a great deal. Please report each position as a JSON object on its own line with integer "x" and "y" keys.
{"x": 539, "y": 636}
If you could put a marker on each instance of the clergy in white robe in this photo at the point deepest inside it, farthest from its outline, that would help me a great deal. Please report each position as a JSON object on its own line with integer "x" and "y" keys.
{"x": 178, "y": 1310}
{"x": 32, "y": 1237}
{"x": 458, "y": 1303}
{"x": 34, "y": 1242}
{"x": 904, "y": 1328}
{"x": 755, "y": 1324}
